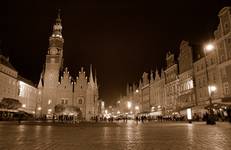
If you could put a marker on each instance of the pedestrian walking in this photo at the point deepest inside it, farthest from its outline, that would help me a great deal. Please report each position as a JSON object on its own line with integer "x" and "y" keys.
{"x": 137, "y": 119}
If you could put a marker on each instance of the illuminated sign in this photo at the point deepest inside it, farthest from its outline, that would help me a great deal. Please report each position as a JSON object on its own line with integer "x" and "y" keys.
{"x": 189, "y": 114}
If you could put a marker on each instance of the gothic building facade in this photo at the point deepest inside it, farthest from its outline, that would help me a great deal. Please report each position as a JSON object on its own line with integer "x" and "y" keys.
{"x": 57, "y": 87}
{"x": 187, "y": 83}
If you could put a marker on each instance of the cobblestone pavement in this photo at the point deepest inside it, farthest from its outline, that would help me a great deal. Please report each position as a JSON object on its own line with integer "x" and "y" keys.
{"x": 126, "y": 136}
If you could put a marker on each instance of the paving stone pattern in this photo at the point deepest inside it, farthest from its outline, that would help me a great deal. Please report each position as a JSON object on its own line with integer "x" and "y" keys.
{"x": 125, "y": 136}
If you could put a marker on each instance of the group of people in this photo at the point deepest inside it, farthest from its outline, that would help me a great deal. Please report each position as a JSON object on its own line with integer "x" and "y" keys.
{"x": 66, "y": 118}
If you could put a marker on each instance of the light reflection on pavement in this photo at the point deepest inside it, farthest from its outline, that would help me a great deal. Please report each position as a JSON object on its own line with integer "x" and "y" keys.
{"x": 131, "y": 136}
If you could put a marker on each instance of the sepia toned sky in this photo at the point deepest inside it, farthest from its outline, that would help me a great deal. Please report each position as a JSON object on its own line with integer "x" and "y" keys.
{"x": 121, "y": 39}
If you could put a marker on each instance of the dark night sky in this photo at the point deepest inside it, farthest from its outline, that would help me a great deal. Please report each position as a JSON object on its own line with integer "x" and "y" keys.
{"x": 122, "y": 39}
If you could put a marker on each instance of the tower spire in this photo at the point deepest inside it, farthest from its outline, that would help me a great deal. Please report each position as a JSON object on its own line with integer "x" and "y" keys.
{"x": 58, "y": 20}
{"x": 57, "y": 28}
{"x": 56, "y": 39}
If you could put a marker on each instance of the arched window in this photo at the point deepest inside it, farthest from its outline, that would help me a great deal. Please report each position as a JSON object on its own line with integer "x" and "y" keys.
{"x": 80, "y": 101}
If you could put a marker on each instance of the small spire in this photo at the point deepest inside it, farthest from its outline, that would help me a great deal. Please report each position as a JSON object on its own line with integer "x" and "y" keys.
{"x": 81, "y": 69}
{"x": 151, "y": 76}
{"x": 96, "y": 84}
{"x": 58, "y": 20}
{"x": 66, "y": 69}
{"x": 40, "y": 85}
{"x": 91, "y": 80}
{"x": 145, "y": 78}
{"x": 157, "y": 77}
{"x": 127, "y": 89}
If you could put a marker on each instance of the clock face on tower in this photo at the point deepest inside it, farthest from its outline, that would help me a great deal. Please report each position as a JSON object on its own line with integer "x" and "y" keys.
{"x": 53, "y": 51}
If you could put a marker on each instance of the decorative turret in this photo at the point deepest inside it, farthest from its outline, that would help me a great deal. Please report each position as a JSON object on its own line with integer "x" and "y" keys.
{"x": 145, "y": 78}
{"x": 81, "y": 82}
{"x": 57, "y": 28}
{"x": 91, "y": 80}
{"x": 157, "y": 77}
{"x": 66, "y": 75}
{"x": 151, "y": 76}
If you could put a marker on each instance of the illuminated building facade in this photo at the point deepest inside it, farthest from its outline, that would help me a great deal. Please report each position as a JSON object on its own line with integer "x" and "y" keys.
{"x": 186, "y": 95}
{"x": 8, "y": 79}
{"x": 223, "y": 51}
{"x": 58, "y": 87}
{"x": 13, "y": 86}
{"x": 171, "y": 83}
{"x": 157, "y": 94}
{"x": 28, "y": 95}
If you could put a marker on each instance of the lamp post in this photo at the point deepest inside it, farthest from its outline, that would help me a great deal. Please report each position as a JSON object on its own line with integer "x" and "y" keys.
{"x": 211, "y": 88}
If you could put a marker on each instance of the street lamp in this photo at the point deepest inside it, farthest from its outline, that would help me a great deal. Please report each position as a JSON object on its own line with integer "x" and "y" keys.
{"x": 129, "y": 104}
{"x": 39, "y": 108}
{"x": 209, "y": 47}
{"x": 211, "y": 88}
{"x": 38, "y": 111}
{"x": 137, "y": 108}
